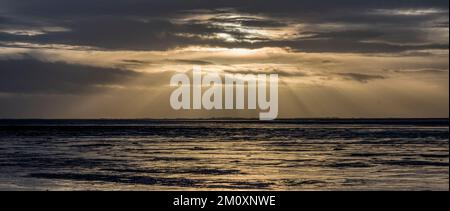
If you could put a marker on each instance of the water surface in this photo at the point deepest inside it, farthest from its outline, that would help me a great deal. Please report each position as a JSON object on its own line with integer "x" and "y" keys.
{"x": 224, "y": 155}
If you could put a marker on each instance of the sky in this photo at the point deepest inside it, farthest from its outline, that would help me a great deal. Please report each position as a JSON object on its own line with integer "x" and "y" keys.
{"x": 114, "y": 59}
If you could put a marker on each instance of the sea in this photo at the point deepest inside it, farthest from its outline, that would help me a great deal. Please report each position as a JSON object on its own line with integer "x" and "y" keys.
{"x": 232, "y": 154}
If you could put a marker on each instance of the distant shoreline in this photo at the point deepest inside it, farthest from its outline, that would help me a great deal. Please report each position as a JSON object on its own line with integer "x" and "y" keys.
{"x": 250, "y": 119}
{"x": 306, "y": 121}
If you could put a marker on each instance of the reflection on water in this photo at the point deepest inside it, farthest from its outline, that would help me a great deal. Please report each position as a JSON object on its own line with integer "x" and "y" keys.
{"x": 224, "y": 155}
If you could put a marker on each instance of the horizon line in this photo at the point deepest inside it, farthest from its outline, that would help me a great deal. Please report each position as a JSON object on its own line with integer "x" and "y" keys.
{"x": 230, "y": 118}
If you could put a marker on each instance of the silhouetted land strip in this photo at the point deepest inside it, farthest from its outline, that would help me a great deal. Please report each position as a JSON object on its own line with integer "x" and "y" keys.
{"x": 321, "y": 121}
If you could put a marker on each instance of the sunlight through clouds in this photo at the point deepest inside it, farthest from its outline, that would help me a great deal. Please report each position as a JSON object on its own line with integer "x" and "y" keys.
{"x": 329, "y": 64}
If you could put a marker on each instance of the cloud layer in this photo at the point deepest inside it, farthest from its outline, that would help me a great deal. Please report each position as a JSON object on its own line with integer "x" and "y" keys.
{"x": 322, "y": 26}
{"x": 76, "y": 50}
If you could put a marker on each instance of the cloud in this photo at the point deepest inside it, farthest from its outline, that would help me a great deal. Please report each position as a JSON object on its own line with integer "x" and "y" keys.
{"x": 262, "y": 23}
{"x": 282, "y": 73}
{"x": 135, "y": 61}
{"x": 424, "y": 71}
{"x": 93, "y": 47}
{"x": 362, "y": 78}
{"x": 157, "y": 7}
{"x": 160, "y": 25}
{"x": 28, "y": 76}
{"x": 3, "y": 20}
{"x": 193, "y": 62}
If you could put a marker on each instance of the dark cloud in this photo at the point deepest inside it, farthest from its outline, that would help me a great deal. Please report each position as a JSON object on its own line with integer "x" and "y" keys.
{"x": 52, "y": 8}
{"x": 193, "y": 62}
{"x": 362, "y": 78}
{"x": 134, "y": 61}
{"x": 263, "y": 23}
{"x": 441, "y": 25}
{"x": 249, "y": 21}
{"x": 148, "y": 25}
{"x": 434, "y": 71}
{"x": 117, "y": 34}
{"x": 29, "y": 76}
{"x": 128, "y": 34}
{"x": 281, "y": 73}
{"x": 349, "y": 46}
{"x": 424, "y": 71}
{"x": 3, "y": 20}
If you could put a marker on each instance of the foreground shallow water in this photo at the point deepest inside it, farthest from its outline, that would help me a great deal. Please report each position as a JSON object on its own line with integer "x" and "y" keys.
{"x": 224, "y": 155}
